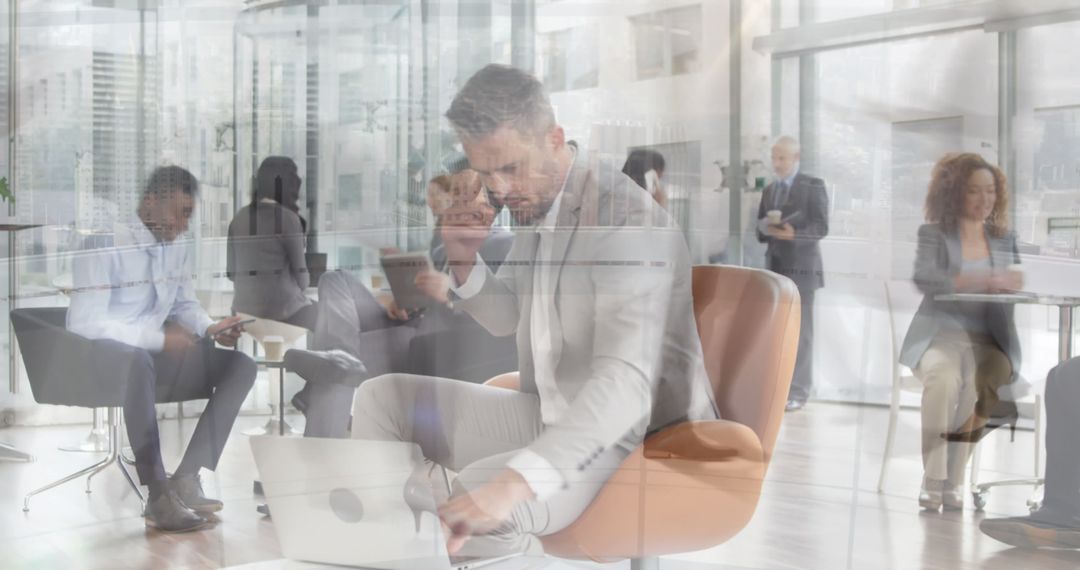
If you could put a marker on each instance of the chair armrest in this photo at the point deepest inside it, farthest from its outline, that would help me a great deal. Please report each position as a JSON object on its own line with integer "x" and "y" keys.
{"x": 507, "y": 381}
{"x": 710, "y": 440}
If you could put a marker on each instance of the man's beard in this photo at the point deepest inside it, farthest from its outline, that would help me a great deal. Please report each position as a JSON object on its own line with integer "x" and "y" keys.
{"x": 531, "y": 214}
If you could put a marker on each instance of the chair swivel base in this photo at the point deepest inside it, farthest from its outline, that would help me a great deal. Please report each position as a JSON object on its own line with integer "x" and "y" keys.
{"x": 114, "y": 457}
{"x": 89, "y": 472}
{"x": 9, "y": 452}
{"x": 979, "y": 490}
{"x": 648, "y": 563}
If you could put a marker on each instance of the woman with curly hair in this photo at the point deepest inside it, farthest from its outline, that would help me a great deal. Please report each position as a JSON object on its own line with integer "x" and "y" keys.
{"x": 963, "y": 352}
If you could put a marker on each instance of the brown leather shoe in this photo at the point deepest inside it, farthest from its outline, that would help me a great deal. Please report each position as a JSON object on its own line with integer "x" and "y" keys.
{"x": 168, "y": 514}
{"x": 333, "y": 366}
{"x": 189, "y": 490}
{"x": 1026, "y": 532}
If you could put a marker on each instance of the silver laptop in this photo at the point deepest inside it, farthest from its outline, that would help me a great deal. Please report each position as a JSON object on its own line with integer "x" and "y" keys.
{"x": 342, "y": 501}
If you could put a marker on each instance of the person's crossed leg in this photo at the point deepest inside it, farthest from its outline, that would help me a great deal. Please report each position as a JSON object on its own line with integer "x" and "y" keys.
{"x": 476, "y": 430}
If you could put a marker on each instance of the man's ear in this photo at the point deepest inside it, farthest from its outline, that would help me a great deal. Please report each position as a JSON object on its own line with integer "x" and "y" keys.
{"x": 556, "y": 138}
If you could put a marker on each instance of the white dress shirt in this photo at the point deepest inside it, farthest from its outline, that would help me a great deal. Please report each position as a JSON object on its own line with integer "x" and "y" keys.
{"x": 127, "y": 289}
{"x": 542, "y": 477}
{"x": 543, "y": 318}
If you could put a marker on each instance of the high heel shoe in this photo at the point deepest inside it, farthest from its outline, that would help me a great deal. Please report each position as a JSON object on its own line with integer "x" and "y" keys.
{"x": 981, "y": 432}
{"x": 930, "y": 495}
{"x": 418, "y": 496}
{"x": 952, "y": 498}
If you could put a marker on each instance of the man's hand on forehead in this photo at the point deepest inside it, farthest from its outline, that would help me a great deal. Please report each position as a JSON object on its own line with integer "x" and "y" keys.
{"x": 469, "y": 203}
{"x": 465, "y": 188}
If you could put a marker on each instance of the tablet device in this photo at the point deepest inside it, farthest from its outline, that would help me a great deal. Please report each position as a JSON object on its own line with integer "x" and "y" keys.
{"x": 401, "y": 270}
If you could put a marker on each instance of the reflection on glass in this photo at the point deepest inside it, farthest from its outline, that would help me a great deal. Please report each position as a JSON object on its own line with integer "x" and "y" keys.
{"x": 569, "y": 59}
{"x": 667, "y": 42}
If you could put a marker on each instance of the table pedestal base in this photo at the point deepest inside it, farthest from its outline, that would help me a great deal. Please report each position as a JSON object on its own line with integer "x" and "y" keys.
{"x": 274, "y": 426}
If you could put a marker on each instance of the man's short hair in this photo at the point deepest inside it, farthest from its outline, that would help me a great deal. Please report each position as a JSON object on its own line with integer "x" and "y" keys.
{"x": 167, "y": 179}
{"x": 788, "y": 142}
{"x": 500, "y": 95}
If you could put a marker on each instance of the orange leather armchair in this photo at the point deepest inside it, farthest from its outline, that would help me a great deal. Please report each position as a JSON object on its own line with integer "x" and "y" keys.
{"x": 695, "y": 485}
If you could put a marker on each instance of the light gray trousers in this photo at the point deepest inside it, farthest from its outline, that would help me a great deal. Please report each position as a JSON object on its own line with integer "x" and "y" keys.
{"x": 350, "y": 319}
{"x": 960, "y": 377}
{"x": 475, "y": 430}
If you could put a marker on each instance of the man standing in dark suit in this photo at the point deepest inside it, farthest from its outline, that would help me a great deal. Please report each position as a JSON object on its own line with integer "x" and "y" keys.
{"x": 792, "y": 219}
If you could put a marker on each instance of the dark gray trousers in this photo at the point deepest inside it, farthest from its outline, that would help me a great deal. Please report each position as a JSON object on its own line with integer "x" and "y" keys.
{"x": 202, "y": 371}
{"x": 1061, "y": 498}
{"x": 803, "y": 378}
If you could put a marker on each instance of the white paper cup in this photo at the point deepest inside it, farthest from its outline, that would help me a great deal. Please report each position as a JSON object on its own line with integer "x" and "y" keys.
{"x": 774, "y": 216}
{"x": 274, "y": 347}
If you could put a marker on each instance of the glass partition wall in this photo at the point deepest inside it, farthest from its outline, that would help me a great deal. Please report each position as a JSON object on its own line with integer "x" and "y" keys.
{"x": 354, "y": 92}
{"x": 874, "y": 115}
{"x": 327, "y": 85}
{"x": 86, "y": 117}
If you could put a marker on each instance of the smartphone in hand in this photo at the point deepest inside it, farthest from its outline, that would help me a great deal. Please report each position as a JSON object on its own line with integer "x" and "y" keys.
{"x": 211, "y": 338}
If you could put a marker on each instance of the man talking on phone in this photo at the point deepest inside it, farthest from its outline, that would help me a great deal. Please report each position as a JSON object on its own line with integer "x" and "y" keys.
{"x": 133, "y": 292}
{"x": 596, "y": 288}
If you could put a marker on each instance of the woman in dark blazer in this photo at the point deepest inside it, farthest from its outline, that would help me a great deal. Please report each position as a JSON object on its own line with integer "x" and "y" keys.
{"x": 962, "y": 352}
{"x": 265, "y": 251}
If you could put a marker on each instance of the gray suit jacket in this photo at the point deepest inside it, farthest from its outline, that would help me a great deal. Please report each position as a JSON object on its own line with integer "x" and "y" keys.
{"x": 937, "y": 262}
{"x": 625, "y": 350}
{"x": 799, "y": 259}
{"x": 265, "y": 261}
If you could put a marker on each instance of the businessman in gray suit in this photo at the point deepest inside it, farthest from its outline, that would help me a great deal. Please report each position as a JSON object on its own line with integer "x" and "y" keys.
{"x": 597, "y": 288}
{"x": 793, "y": 248}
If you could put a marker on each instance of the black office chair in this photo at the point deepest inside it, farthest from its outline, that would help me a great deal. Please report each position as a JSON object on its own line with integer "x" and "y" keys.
{"x": 61, "y": 368}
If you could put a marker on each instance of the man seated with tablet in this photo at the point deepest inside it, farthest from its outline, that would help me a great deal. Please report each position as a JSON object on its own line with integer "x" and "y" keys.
{"x": 359, "y": 334}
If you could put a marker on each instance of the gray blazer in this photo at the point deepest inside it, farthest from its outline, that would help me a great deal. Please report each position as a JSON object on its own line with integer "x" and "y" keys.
{"x": 265, "y": 261}
{"x": 937, "y": 262}
{"x": 799, "y": 259}
{"x": 625, "y": 354}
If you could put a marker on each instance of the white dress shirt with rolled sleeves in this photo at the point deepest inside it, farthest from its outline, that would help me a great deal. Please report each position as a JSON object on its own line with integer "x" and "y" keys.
{"x": 129, "y": 286}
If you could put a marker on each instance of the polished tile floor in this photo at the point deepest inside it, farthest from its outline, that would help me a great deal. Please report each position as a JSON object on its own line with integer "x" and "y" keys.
{"x": 820, "y": 508}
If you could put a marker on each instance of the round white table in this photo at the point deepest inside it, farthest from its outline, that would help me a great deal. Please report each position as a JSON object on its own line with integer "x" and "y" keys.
{"x": 1065, "y": 306}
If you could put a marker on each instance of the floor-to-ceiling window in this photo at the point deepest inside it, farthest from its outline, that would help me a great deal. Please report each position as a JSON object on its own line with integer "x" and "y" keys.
{"x": 875, "y": 109}
{"x": 353, "y": 91}
{"x": 1048, "y": 139}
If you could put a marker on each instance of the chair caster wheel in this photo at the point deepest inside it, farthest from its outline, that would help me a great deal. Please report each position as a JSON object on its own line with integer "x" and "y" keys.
{"x": 980, "y": 501}
{"x": 1034, "y": 506}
